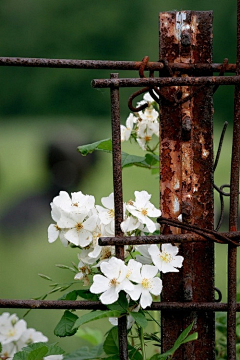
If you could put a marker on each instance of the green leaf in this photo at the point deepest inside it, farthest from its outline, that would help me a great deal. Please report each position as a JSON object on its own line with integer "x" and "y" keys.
{"x": 238, "y": 331}
{"x": 38, "y": 354}
{"x": 133, "y": 353}
{"x": 129, "y": 160}
{"x": 65, "y": 325}
{"x": 121, "y": 304}
{"x": 110, "y": 345}
{"x": 86, "y": 294}
{"x": 37, "y": 351}
{"x": 151, "y": 159}
{"x": 183, "y": 335}
{"x": 0, "y": 347}
{"x": 103, "y": 145}
{"x": 93, "y": 336}
{"x": 96, "y": 315}
{"x": 139, "y": 318}
{"x": 191, "y": 337}
{"x": 71, "y": 295}
{"x": 85, "y": 353}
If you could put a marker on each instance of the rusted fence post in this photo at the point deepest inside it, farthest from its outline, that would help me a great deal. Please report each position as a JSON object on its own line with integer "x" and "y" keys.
{"x": 186, "y": 176}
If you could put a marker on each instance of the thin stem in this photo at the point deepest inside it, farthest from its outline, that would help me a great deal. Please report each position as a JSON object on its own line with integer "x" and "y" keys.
{"x": 142, "y": 343}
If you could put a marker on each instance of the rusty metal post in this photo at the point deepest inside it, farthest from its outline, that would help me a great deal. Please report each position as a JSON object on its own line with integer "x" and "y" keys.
{"x": 186, "y": 178}
{"x": 233, "y": 218}
{"x": 118, "y": 201}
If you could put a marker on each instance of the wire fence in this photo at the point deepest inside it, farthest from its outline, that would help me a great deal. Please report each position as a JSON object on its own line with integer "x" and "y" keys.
{"x": 183, "y": 87}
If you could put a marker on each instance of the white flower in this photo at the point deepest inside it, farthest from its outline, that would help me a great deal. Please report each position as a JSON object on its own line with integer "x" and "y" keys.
{"x": 149, "y": 115}
{"x": 8, "y": 350}
{"x": 11, "y": 328}
{"x": 84, "y": 271}
{"x": 129, "y": 224}
{"x": 78, "y": 228}
{"x": 167, "y": 259}
{"x": 127, "y": 130}
{"x": 53, "y": 357}
{"x": 142, "y": 209}
{"x": 113, "y": 281}
{"x": 107, "y": 214}
{"x": 30, "y": 336}
{"x": 147, "y": 282}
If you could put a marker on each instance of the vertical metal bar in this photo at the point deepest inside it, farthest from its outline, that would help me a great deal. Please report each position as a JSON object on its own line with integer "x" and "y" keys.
{"x": 233, "y": 213}
{"x": 118, "y": 200}
{"x": 186, "y": 183}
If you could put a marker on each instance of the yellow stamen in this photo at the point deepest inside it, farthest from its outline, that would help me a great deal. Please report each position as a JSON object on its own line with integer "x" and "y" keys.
{"x": 146, "y": 283}
{"x": 144, "y": 212}
{"x": 166, "y": 257}
{"x": 79, "y": 226}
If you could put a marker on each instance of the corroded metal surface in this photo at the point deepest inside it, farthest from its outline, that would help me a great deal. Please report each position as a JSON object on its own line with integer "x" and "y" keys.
{"x": 108, "y": 64}
{"x": 186, "y": 184}
{"x": 233, "y": 212}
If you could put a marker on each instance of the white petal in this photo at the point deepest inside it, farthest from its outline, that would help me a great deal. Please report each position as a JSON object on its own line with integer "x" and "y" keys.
{"x": 100, "y": 284}
{"x": 111, "y": 268}
{"x": 135, "y": 293}
{"x": 108, "y": 201}
{"x": 146, "y": 299}
{"x": 169, "y": 248}
{"x": 156, "y": 288}
{"x": 149, "y": 271}
{"x": 53, "y": 233}
{"x": 133, "y": 273}
{"x": 109, "y": 296}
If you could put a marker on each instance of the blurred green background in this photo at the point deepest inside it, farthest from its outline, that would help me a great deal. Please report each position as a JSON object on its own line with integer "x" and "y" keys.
{"x": 46, "y": 113}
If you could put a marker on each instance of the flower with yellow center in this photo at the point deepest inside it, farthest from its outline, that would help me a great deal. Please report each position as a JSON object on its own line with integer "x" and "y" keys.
{"x": 166, "y": 260}
{"x": 112, "y": 281}
{"x": 143, "y": 210}
{"x": 147, "y": 282}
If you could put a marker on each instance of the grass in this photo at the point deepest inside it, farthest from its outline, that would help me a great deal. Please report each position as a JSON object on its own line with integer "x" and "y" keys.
{"x": 27, "y": 252}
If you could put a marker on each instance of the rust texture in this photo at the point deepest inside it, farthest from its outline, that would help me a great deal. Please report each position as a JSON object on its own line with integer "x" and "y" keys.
{"x": 108, "y": 64}
{"x": 118, "y": 201}
{"x": 97, "y": 305}
{"x": 167, "y": 81}
{"x": 233, "y": 213}
{"x": 186, "y": 183}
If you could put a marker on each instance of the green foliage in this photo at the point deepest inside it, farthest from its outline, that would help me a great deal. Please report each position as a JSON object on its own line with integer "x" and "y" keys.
{"x": 148, "y": 161}
{"x": 96, "y": 315}
{"x": 221, "y": 336}
{"x": 93, "y": 336}
{"x": 37, "y": 351}
{"x": 86, "y": 353}
{"x": 183, "y": 338}
{"x": 65, "y": 325}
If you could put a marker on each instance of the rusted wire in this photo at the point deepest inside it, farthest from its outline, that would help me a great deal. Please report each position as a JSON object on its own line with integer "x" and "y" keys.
{"x": 167, "y": 81}
{"x": 162, "y": 239}
{"x": 207, "y": 233}
{"x": 109, "y": 64}
{"x": 97, "y": 305}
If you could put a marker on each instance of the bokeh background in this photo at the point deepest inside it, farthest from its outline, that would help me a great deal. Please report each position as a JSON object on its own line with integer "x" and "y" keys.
{"x": 46, "y": 113}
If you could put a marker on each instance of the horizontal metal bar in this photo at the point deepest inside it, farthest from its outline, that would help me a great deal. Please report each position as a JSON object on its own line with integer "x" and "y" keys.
{"x": 166, "y": 81}
{"x": 97, "y": 305}
{"x": 160, "y": 239}
{"x": 107, "y": 64}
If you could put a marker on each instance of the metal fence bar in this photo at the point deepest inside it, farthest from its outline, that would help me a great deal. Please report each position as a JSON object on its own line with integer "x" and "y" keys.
{"x": 97, "y": 305}
{"x": 118, "y": 201}
{"x": 167, "y": 81}
{"x": 108, "y": 65}
{"x": 233, "y": 217}
{"x": 196, "y": 302}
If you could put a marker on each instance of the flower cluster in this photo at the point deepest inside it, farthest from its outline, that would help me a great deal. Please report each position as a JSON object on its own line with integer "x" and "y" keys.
{"x": 142, "y": 126}
{"x": 14, "y": 335}
{"x": 80, "y": 222}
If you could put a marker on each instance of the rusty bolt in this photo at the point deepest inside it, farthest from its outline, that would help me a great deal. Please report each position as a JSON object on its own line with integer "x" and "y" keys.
{"x": 186, "y": 128}
{"x": 186, "y": 37}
